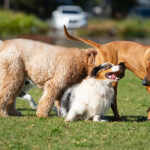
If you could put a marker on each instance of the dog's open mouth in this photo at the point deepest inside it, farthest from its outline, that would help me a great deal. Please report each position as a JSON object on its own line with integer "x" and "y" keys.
{"x": 113, "y": 75}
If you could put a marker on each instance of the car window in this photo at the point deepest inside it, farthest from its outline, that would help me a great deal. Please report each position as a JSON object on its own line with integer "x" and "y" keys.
{"x": 70, "y": 12}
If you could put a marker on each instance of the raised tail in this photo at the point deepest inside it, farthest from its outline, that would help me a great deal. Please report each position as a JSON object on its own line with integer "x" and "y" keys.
{"x": 89, "y": 42}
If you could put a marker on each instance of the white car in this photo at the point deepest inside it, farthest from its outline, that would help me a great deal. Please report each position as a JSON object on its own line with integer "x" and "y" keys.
{"x": 71, "y": 16}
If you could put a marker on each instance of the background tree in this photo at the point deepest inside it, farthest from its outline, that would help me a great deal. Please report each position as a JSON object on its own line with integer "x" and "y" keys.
{"x": 6, "y": 4}
{"x": 44, "y": 8}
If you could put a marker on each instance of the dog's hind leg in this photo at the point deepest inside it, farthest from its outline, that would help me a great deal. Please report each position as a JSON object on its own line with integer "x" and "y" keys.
{"x": 11, "y": 104}
{"x": 11, "y": 108}
{"x": 10, "y": 84}
{"x": 7, "y": 98}
{"x": 9, "y": 90}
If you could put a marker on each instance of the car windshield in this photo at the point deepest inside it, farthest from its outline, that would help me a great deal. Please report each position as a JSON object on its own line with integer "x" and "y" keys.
{"x": 70, "y": 11}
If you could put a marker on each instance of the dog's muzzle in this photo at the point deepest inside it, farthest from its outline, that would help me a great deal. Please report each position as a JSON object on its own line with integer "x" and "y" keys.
{"x": 145, "y": 82}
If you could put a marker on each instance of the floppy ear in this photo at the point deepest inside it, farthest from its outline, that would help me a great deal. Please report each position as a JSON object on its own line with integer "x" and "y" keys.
{"x": 148, "y": 59}
{"x": 122, "y": 64}
{"x": 95, "y": 70}
{"x": 91, "y": 53}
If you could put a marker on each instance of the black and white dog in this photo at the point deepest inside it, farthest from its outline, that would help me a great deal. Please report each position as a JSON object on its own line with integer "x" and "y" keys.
{"x": 90, "y": 99}
{"x": 25, "y": 96}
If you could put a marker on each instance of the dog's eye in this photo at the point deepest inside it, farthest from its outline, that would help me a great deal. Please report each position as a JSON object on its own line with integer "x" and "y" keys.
{"x": 108, "y": 67}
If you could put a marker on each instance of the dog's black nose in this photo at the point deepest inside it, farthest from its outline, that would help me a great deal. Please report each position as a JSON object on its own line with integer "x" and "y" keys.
{"x": 145, "y": 83}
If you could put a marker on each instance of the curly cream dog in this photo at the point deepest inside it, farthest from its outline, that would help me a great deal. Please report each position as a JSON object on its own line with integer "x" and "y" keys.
{"x": 52, "y": 68}
{"x": 27, "y": 86}
{"x": 93, "y": 96}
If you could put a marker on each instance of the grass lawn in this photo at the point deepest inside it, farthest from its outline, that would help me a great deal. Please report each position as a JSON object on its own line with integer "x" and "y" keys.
{"x": 29, "y": 132}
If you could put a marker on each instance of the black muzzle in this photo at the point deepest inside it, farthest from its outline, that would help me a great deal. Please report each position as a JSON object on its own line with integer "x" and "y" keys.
{"x": 145, "y": 83}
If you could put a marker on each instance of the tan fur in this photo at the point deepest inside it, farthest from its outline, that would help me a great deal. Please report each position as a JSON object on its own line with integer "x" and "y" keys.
{"x": 52, "y": 68}
{"x": 136, "y": 57}
{"x": 57, "y": 105}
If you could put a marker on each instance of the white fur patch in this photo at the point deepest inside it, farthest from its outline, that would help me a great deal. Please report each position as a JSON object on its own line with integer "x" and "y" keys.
{"x": 91, "y": 97}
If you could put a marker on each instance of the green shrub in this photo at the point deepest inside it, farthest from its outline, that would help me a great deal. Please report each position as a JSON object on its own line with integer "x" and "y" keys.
{"x": 133, "y": 27}
{"x": 130, "y": 27}
{"x": 13, "y": 24}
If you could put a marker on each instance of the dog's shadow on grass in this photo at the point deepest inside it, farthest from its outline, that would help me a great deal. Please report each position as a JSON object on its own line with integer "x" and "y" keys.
{"x": 26, "y": 109}
{"x": 128, "y": 118}
{"x": 32, "y": 112}
{"x": 109, "y": 118}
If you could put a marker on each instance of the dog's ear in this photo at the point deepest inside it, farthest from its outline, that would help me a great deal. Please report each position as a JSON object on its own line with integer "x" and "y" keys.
{"x": 123, "y": 67}
{"x": 91, "y": 53}
{"x": 95, "y": 70}
{"x": 122, "y": 64}
{"x": 148, "y": 59}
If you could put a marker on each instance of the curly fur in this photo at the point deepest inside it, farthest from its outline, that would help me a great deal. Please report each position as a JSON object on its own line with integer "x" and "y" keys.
{"x": 52, "y": 68}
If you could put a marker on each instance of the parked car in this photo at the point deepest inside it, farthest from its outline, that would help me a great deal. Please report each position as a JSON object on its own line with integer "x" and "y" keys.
{"x": 71, "y": 16}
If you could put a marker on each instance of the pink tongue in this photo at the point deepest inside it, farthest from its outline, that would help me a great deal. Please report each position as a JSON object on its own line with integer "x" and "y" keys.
{"x": 113, "y": 76}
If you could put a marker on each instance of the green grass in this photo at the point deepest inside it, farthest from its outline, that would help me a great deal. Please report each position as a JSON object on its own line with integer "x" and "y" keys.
{"x": 29, "y": 132}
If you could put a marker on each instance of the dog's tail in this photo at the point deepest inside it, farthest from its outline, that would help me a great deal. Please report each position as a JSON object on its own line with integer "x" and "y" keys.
{"x": 89, "y": 42}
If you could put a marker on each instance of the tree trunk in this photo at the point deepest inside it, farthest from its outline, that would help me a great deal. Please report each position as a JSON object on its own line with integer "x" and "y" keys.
{"x": 6, "y": 4}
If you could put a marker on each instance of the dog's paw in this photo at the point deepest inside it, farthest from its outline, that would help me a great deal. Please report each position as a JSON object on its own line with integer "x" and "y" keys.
{"x": 14, "y": 113}
{"x": 34, "y": 107}
{"x": 3, "y": 114}
{"x": 96, "y": 118}
{"x": 148, "y": 118}
{"x": 67, "y": 120}
{"x": 40, "y": 115}
{"x": 117, "y": 118}
{"x": 102, "y": 120}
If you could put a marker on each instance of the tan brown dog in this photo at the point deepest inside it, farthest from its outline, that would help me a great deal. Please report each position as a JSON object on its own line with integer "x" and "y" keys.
{"x": 135, "y": 56}
{"x": 52, "y": 68}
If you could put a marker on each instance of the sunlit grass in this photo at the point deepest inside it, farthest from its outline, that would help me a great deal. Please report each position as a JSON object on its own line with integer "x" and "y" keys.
{"x": 30, "y": 132}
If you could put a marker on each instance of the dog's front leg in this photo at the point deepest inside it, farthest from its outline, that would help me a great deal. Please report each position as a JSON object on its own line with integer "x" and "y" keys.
{"x": 114, "y": 105}
{"x": 71, "y": 116}
{"x": 148, "y": 111}
{"x": 96, "y": 118}
{"x": 51, "y": 92}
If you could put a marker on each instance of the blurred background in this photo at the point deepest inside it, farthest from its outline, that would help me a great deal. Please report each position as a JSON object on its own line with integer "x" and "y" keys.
{"x": 99, "y": 20}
